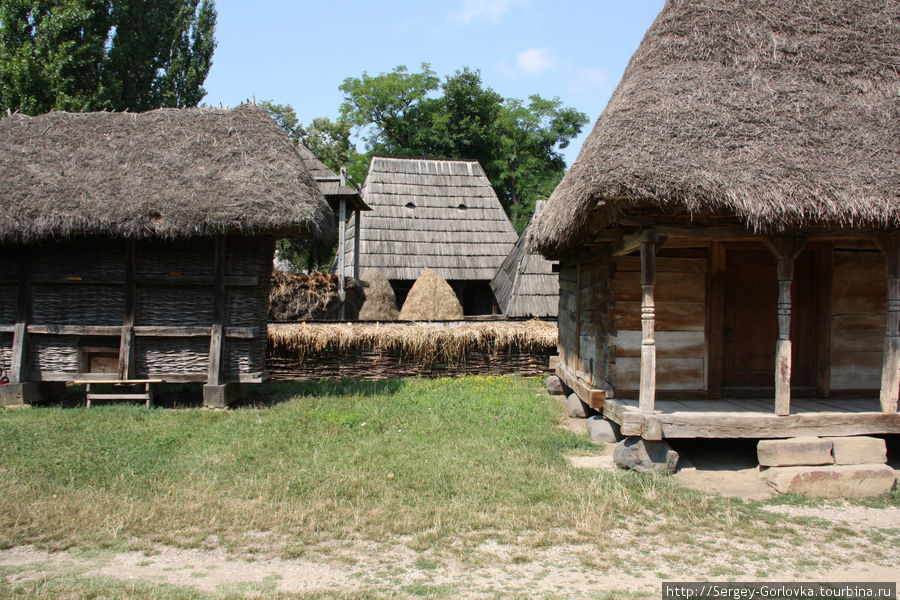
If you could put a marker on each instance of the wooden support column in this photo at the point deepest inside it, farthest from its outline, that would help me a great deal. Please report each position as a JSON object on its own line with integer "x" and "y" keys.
{"x": 356, "y": 222}
{"x": 824, "y": 280}
{"x": 890, "y": 371}
{"x": 578, "y": 318}
{"x": 216, "y": 339}
{"x": 716, "y": 320}
{"x": 19, "y": 364}
{"x": 342, "y": 234}
{"x": 647, "y": 396}
{"x": 126, "y": 343}
{"x": 785, "y": 251}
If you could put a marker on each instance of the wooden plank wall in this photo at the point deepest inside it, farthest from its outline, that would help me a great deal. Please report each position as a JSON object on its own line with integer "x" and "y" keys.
{"x": 859, "y": 307}
{"x": 584, "y": 320}
{"x": 680, "y": 291}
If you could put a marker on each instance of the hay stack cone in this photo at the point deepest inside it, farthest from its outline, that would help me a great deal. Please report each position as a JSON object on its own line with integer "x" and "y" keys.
{"x": 431, "y": 299}
{"x": 380, "y": 303}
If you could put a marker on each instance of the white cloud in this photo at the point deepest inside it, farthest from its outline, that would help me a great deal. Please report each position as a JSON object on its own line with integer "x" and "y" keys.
{"x": 490, "y": 10}
{"x": 535, "y": 61}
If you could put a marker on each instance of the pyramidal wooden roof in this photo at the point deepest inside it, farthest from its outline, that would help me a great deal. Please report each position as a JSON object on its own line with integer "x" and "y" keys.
{"x": 525, "y": 285}
{"x": 440, "y": 214}
{"x": 164, "y": 173}
{"x": 783, "y": 113}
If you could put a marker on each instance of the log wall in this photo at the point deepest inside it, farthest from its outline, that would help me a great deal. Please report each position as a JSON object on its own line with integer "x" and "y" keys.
{"x": 583, "y": 320}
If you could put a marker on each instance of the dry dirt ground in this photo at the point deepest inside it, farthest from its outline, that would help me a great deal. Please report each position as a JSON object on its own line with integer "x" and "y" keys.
{"x": 626, "y": 566}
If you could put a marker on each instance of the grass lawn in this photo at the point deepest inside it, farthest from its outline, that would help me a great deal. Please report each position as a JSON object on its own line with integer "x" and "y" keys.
{"x": 435, "y": 470}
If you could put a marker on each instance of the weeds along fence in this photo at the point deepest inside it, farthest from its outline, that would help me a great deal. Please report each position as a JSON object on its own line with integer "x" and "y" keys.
{"x": 366, "y": 351}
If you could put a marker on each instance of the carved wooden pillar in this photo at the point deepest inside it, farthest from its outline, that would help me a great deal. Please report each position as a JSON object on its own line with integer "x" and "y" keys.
{"x": 647, "y": 397}
{"x": 785, "y": 250}
{"x": 890, "y": 371}
{"x": 342, "y": 234}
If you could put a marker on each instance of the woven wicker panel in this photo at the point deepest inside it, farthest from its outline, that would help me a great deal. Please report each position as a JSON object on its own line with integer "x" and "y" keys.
{"x": 245, "y": 356}
{"x": 171, "y": 356}
{"x": 6, "y": 341}
{"x": 77, "y": 304}
{"x": 190, "y": 306}
{"x": 86, "y": 258}
{"x": 53, "y": 353}
{"x": 194, "y": 256}
{"x": 8, "y": 299}
{"x": 247, "y": 307}
{"x": 249, "y": 256}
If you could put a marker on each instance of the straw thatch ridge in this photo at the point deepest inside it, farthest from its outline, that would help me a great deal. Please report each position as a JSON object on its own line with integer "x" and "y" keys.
{"x": 425, "y": 343}
{"x": 440, "y": 214}
{"x": 780, "y": 112}
{"x": 165, "y": 173}
{"x": 525, "y": 285}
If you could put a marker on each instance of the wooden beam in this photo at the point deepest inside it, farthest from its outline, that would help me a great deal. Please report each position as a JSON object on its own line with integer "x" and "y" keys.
{"x": 216, "y": 374}
{"x": 785, "y": 251}
{"x": 356, "y": 237}
{"x": 629, "y": 242}
{"x": 824, "y": 282}
{"x": 126, "y": 365}
{"x": 578, "y": 317}
{"x": 647, "y": 397}
{"x": 342, "y": 235}
{"x": 890, "y": 371}
{"x": 715, "y": 330}
{"x": 18, "y": 369}
{"x": 589, "y": 395}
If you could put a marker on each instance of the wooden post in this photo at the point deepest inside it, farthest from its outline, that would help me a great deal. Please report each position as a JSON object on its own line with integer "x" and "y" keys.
{"x": 890, "y": 371}
{"x": 216, "y": 374}
{"x": 785, "y": 250}
{"x": 647, "y": 396}
{"x": 716, "y": 320}
{"x": 356, "y": 222}
{"x": 126, "y": 343}
{"x": 18, "y": 369}
{"x": 824, "y": 291}
{"x": 342, "y": 234}
{"x": 578, "y": 318}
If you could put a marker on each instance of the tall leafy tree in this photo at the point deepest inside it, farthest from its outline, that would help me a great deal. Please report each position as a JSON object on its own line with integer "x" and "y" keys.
{"x": 104, "y": 54}
{"x": 517, "y": 143}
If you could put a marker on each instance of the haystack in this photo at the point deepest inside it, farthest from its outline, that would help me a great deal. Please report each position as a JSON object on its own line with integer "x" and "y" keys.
{"x": 380, "y": 303}
{"x": 312, "y": 297}
{"x": 431, "y": 299}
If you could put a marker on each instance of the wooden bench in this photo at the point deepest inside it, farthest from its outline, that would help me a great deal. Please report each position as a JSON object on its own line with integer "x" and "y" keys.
{"x": 146, "y": 395}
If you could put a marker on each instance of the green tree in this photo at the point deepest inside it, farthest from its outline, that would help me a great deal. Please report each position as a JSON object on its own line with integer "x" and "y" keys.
{"x": 104, "y": 54}
{"x": 415, "y": 114}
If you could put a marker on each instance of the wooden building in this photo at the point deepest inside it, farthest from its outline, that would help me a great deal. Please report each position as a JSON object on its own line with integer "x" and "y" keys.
{"x": 440, "y": 214}
{"x": 526, "y": 285}
{"x": 728, "y": 237}
{"x": 138, "y": 247}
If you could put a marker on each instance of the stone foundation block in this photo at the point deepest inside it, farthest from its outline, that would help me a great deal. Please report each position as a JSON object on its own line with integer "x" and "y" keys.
{"x": 603, "y": 431}
{"x": 794, "y": 451}
{"x": 222, "y": 396}
{"x": 832, "y": 481}
{"x": 858, "y": 450}
{"x": 554, "y": 386}
{"x": 24, "y": 394}
{"x": 645, "y": 456}
{"x": 576, "y": 408}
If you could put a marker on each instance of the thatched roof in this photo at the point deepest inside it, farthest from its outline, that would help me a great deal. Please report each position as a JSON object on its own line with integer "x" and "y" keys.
{"x": 525, "y": 285}
{"x": 331, "y": 184}
{"x": 440, "y": 214}
{"x": 780, "y": 112}
{"x": 164, "y": 173}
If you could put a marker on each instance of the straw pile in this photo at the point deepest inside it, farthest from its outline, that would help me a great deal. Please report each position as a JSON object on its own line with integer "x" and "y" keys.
{"x": 380, "y": 304}
{"x": 422, "y": 343}
{"x": 312, "y": 297}
{"x": 431, "y": 299}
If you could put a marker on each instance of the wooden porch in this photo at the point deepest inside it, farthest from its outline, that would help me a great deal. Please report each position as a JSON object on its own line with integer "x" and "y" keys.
{"x": 751, "y": 418}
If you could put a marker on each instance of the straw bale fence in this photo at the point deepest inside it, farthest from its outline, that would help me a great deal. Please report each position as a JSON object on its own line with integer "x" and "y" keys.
{"x": 379, "y": 351}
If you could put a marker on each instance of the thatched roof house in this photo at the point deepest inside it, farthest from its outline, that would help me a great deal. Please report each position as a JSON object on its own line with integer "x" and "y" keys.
{"x": 526, "y": 285}
{"x": 435, "y": 213}
{"x": 139, "y": 246}
{"x": 749, "y": 147}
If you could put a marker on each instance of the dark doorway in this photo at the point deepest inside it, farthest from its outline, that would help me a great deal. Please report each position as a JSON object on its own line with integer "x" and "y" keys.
{"x": 751, "y": 324}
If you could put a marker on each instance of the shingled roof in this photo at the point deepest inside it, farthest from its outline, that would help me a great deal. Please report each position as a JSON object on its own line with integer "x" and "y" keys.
{"x": 165, "y": 173}
{"x": 330, "y": 183}
{"x": 780, "y": 112}
{"x": 525, "y": 285}
{"x": 440, "y": 214}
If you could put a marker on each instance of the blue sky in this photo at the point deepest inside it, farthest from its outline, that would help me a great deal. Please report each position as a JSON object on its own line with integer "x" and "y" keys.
{"x": 299, "y": 52}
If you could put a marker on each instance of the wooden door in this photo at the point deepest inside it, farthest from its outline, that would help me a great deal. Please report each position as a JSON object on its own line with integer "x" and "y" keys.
{"x": 751, "y": 324}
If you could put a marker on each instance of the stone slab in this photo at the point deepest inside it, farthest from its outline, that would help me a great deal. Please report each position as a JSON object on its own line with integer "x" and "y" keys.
{"x": 575, "y": 408}
{"x": 645, "y": 456}
{"x": 831, "y": 481}
{"x": 858, "y": 450}
{"x": 794, "y": 452}
{"x": 554, "y": 386}
{"x": 603, "y": 431}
